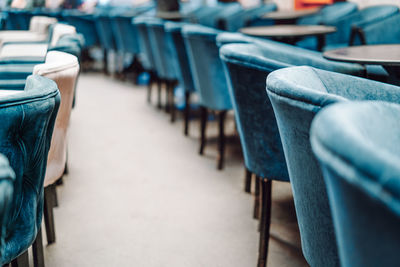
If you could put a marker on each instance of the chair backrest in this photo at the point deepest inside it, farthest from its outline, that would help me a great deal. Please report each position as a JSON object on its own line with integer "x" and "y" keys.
{"x": 144, "y": 42}
{"x": 174, "y": 29}
{"x": 25, "y": 133}
{"x": 329, "y": 14}
{"x": 40, "y": 24}
{"x": 104, "y": 31}
{"x": 357, "y": 147}
{"x": 63, "y": 69}
{"x": 84, "y": 24}
{"x": 126, "y": 36}
{"x": 378, "y": 33}
{"x": 7, "y": 179}
{"x": 59, "y": 30}
{"x": 206, "y": 66}
{"x": 297, "y": 94}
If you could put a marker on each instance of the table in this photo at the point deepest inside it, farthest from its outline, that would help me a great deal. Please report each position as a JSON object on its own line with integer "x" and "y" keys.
{"x": 290, "y": 33}
{"x": 172, "y": 15}
{"x": 386, "y": 55}
{"x": 289, "y": 16}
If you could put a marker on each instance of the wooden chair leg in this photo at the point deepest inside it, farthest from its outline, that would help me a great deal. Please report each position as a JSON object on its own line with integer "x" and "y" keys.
{"x": 186, "y": 113}
{"x": 221, "y": 140}
{"x": 37, "y": 250}
{"x": 105, "y": 62}
{"x": 159, "y": 85}
{"x": 265, "y": 221}
{"x": 203, "y": 126}
{"x": 151, "y": 80}
{"x": 167, "y": 96}
{"x": 49, "y": 193}
{"x": 256, "y": 213}
{"x": 247, "y": 181}
{"x": 172, "y": 103}
{"x": 21, "y": 261}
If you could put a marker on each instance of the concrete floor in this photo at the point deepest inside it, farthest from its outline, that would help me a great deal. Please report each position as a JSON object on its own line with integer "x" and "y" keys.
{"x": 138, "y": 193}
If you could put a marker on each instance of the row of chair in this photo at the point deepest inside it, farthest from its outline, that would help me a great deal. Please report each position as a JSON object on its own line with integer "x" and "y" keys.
{"x": 36, "y": 99}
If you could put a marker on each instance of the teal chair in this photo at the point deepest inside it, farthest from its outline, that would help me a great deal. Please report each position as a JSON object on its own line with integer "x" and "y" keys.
{"x": 357, "y": 145}
{"x": 297, "y": 94}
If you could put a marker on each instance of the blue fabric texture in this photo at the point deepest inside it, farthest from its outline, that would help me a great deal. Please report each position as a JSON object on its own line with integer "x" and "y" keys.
{"x": 146, "y": 53}
{"x": 297, "y": 94}
{"x": 25, "y": 134}
{"x": 206, "y": 67}
{"x": 378, "y": 33}
{"x": 357, "y": 146}
{"x": 84, "y": 25}
{"x": 125, "y": 34}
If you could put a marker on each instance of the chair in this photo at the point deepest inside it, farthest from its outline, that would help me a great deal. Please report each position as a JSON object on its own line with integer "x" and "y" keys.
{"x": 360, "y": 162}
{"x": 63, "y": 69}
{"x": 7, "y": 179}
{"x": 162, "y": 51}
{"x": 297, "y": 94}
{"x": 106, "y": 37}
{"x": 209, "y": 80}
{"x": 246, "y": 67}
{"x": 28, "y": 119}
{"x": 174, "y": 29}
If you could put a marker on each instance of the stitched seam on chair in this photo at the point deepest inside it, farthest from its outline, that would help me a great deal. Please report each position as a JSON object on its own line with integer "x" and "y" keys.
{"x": 29, "y": 100}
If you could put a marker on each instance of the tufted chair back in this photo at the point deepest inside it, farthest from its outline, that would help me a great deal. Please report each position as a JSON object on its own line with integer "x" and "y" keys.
{"x": 7, "y": 179}
{"x": 63, "y": 69}
{"x": 40, "y": 24}
{"x": 27, "y": 118}
{"x": 297, "y": 94}
{"x": 357, "y": 147}
{"x": 206, "y": 66}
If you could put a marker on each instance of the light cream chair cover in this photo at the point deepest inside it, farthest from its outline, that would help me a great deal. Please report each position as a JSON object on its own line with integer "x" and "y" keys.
{"x": 60, "y": 30}
{"x": 62, "y": 68}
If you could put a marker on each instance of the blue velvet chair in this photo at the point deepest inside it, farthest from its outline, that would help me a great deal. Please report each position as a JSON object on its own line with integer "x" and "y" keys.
{"x": 247, "y": 66}
{"x": 7, "y": 179}
{"x": 209, "y": 80}
{"x": 344, "y": 34}
{"x": 174, "y": 30}
{"x": 146, "y": 55}
{"x": 297, "y": 94}
{"x": 164, "y": 58}
{"x": 28, "y": 118}
{"x": 106, "y": 36}
{"x": 360, "y": 162}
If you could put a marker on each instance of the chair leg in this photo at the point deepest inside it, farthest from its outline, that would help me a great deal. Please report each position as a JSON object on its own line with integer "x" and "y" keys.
{"x": 159, "y": 85}
{"x": 167, "y": 97}
{"x": 247, "y": 181}
{"x": 266, "y": 186}
{"x": 221, "y": 140}
{"x": 149, "y": 86}
{"x": 172, "y": 103}
{"x": 37, "y": 250}
{"x": 48, "y": 213}
{"x": 21, "y": 261}
{"x": 256, "y": 213}
{"x": 105, "y": 61}
{"x": 203, "y": 126}
{"x": 186, "y": 113}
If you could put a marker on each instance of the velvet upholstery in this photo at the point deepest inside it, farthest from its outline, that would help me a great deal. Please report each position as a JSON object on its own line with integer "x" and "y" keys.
{"x": 125, "y": 33}
{"x": 146, "y": 54}
{"x": 84, "y": 24}
{"x": 7, "y": 179}
{"x": 379, "y": 33}
{"x": 104, "y": 31}
{"x": 297, "y": 94}
{"x": 63, "y": 69}
{"x": 27, "y": 125}
{"x": 206, "y": 66}
{"x": 360, "y": 163}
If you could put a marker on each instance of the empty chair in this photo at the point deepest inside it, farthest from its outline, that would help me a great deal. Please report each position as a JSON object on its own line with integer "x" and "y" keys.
{"x": 28, "y": 118}
{"x": 106, "y": 37}
{"x": 297, "y": 94}
{"x": 209, "y": 80}
{"x": 62, "y": 68}
{"x": 357, "y": 147}
{"x": 182, "y": 61}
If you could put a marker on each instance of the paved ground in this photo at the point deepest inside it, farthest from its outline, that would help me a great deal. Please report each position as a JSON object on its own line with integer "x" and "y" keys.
{"x": 138, "y": 194}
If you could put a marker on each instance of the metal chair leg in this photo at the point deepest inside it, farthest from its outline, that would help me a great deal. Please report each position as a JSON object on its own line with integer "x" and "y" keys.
{"x": 49, "y": 193}
{"x": 203, "y": 125}
{"x": 159, "y": 85}
{"x": 221, "y": 140}
{"x": 21, "y": 261}
{"x": 256, "y": 213}
{"x": 186, "y": 113}
{"x": 265, "y": 221}
{"x": 149, "y": 87}
{"x": 172, "y": 103}
{"x": 37, "y": 250}
{"x": 247, "y": 181}
{"x": 167, "y": 96}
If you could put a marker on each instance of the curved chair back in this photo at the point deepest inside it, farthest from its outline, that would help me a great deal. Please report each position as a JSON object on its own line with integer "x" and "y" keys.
{"x": 7, "y": 179}
{"x": 126, "y": 36}
{"x": 162, "y": 50}
{"x": 174, "y": 29}
{"x": 105, "y": 31}
{"x": 85, "y": 25}
{"x": 360, "y": 160}
{"x": 147, "y": 57}
{"x": 206, "y": 66}
{"x": 378, "y": 33}
{"x": 59, "y": 30}
{"x": 329, "y": 14}
{"x": 25, "y": 133}
{"x": 40, "y": 24}
{"x": 297, "y": 94}
{"x": 63, "y": 69}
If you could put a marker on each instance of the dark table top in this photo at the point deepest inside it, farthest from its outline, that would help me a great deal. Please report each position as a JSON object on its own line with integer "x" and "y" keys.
{"x": 173, "y": 15}
{"x": 289, "y": 14}
{"x": 285, "y": 31}
{"x": 386, "y": 55}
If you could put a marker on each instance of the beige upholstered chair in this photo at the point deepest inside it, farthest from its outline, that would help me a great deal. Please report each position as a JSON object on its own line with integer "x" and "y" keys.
{"x": 62, "y": 68}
